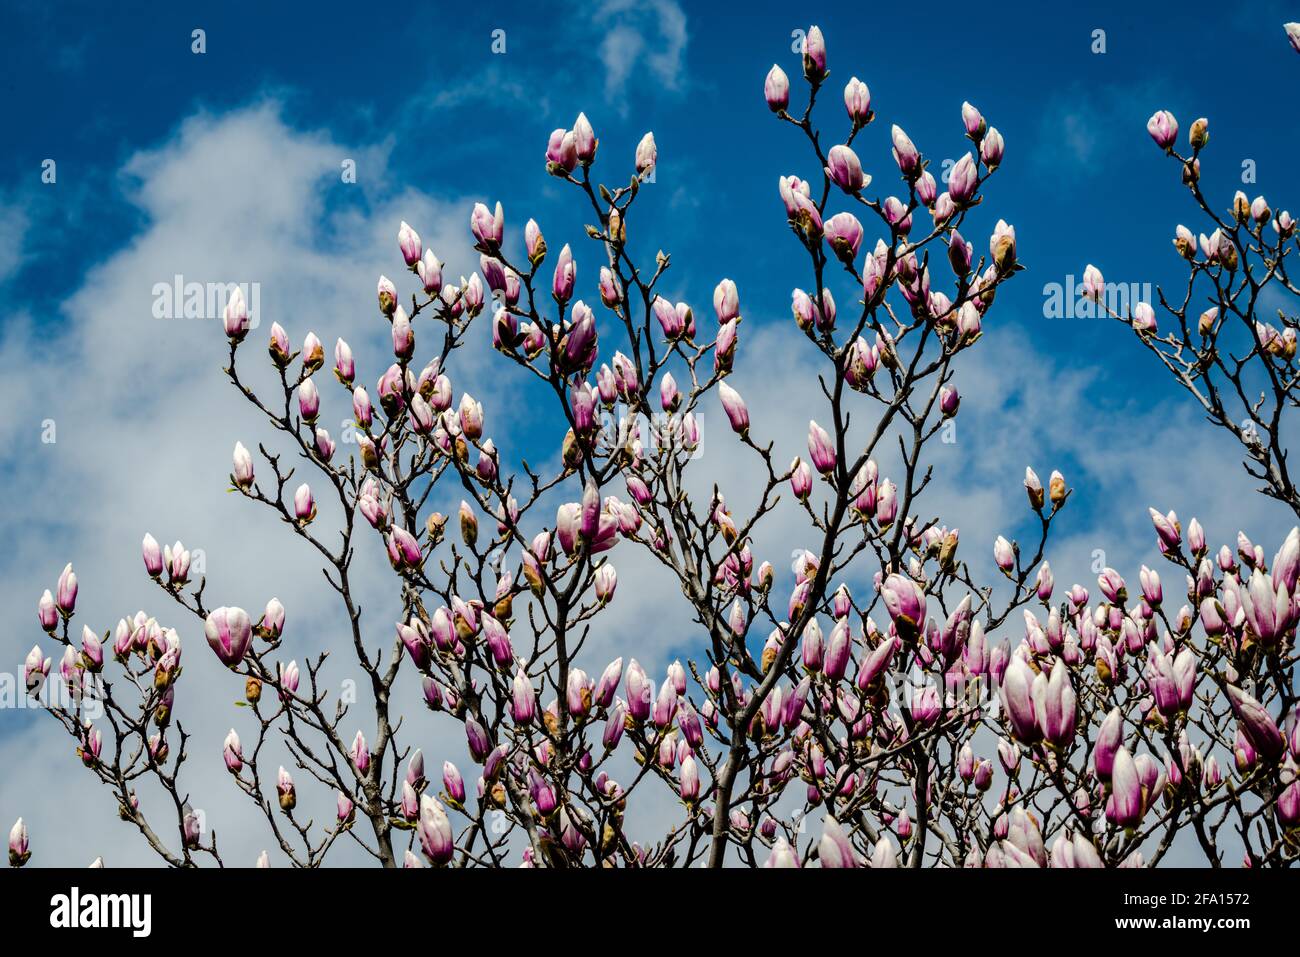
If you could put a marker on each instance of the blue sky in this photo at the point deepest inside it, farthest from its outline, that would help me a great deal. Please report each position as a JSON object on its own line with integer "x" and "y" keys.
{"x": 226, "y": 165}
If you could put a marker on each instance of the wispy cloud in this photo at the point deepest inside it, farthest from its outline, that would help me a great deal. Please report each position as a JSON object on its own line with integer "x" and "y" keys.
{"x": 14, "y": 225}
{"x": 1085, "y": 128}
{"x": 639, "y": 35}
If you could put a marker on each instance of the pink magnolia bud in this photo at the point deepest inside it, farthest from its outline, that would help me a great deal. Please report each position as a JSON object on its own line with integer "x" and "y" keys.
{"x": 19, "y": 849}
{"x": 788, "y": 187}
{"x": 724, "y": 347}
{"x": 1055, "y": 705}
{"x": 1256, "y": 724}
{"x": 1124, "y": 808}
{"x": 906, "y": 154}
{"x": 690, "y": 780}
{"x": 487, "y": 226}
{"x": 92, "y": 650}
{"x": 606, "y": 580}
{"x": 153, "y": 558}
{"x": 1094, "y": 284}
{"x": 1034, "y": 488}
{"x": 665, "y": 705}
{"x": 1112, "y": 586}
{"x": 1143, "y": 319}
{"x": 429, "y": 269}
{"x": 1286, "y": 563}
{"x": 813, "y": 48}
{"x": 578, "y": 693}
{"x": 403, "y": 335}
{"x": 726, "y": 301}
{"x": 1109, "y": 739}
{"x": 387, "y": 293}
{"x": 36, "y": 668}
{"x": 360, "y": 754}
{"x": 800, "y": 479}
{"x": 313, "y": 353}
{"x": 1268, "y": 609}
{"x": 1017, "y": 693}
{"x": 284, "y": 786}
{"x": 963, "y": 180}
{"x": 242, "y": 474}
{"x": 1166, "y": 527}
{"x": 668, "y": 317}
{"x": 404, "y": 548}
{"x": 886, "y": 503}
{"x": 344, "y": 807}
{"x": 603, "y": 696}
{"x": 845, "y": 169}
{"x": 235, "y": 316}
{"x": 65, "y": 595}
{"x": 584, "y": 140}
{"x": 782, "y": 855}
{"x": 566, "y": 272}
{"x": 834, "y": 849}
{"x": 677, "y": 676}
{"x": 884, "y": 855}
{"x": 410, "y": 804}
{"x": 435, "y": 831}
{"x": 308, "y": 401}
{"x": 229, "y": 632}
{"x": 647, "y": 154}
{"x": 925, "y": 709}
{"x": 476, "y": 737}
{"x": 615, "y": 726}
{"x": 776, "y": 89}
{"x": 820, "y": 449}
{"x": 966, "y": 764}
{"x": 844, "y": 236}
{"x": 523, "y": 701}
{"x": 279, "y": 347}
{"x": 232, "y": 753}
{"x": 46, "y": 612}
{"x": 839, "y": 651}
{"x": 857, "y": 101}
{"x": 304, "y": 505}
{"x": 453, "y": 783}
{"x": 408, "y": 241}
{"x": 640, "y": 692}
{"x": 949, "y": 400}
{"x": 1002, "y": 248}
{"x": 362, "y": 408}
{"x": 1163, "y": 129}
{"x": 1288, "y": 803}
{"x": 735, "y": 408}
{"x": 561, "y": 153}
{"x": 992, "y": 149}
{"x": 1004, "y": 554}
{"x": 324, "y": 444}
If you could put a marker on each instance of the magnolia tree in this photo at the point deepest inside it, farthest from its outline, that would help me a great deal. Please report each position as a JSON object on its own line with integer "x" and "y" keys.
{"x": 898, "y": 703}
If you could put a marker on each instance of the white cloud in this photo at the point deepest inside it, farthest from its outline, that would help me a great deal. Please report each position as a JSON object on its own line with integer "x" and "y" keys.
{"x": 145, "y": 423}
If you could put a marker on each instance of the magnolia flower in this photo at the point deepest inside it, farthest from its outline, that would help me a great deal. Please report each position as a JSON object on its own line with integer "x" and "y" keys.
{"x": 776, "y": 89}
{"x": 229, "y": 632}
